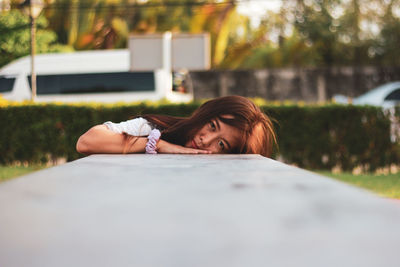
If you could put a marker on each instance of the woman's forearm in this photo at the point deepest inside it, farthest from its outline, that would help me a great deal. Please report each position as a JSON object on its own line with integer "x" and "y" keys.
{"x": 99, "y": 139}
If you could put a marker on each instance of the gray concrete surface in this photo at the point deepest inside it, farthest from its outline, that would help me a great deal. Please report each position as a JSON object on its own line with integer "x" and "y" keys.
{"x": 189, "y": 211}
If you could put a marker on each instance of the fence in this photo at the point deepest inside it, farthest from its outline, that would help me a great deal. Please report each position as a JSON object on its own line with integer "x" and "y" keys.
{"x": 296, "y": 84}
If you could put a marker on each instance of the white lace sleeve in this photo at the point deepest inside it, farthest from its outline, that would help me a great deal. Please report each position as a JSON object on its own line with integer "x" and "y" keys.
{"x": 135, "y": 127}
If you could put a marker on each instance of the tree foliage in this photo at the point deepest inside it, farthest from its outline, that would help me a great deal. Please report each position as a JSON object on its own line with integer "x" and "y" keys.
{"x": 103, "y": 24}
{"x": 301, "y": 33}
{"x": 15, "y": 37}
{"x": 327, "y": 33}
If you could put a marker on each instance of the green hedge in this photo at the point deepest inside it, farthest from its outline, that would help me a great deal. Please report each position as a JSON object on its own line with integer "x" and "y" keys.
{"x": 329, "y": 136}
{"x": 316, "y": 137}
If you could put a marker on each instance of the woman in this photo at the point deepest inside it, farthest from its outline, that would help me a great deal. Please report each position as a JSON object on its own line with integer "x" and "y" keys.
{"x": 231, "y": 124}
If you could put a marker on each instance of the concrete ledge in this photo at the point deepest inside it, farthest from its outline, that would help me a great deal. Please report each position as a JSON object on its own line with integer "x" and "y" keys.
{"x": 196, "y": 210}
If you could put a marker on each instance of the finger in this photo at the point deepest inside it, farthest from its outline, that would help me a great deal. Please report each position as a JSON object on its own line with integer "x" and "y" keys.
{"x": 205, "y": 152}
{"x": 195, "y": 151}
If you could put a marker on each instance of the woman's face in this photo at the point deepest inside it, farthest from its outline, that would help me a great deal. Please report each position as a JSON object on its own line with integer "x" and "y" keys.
{"x": 216, "y": 136}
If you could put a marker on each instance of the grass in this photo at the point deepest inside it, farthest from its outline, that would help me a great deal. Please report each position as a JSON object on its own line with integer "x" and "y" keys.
{"x": 9, "y": 172}
{"x": 384, "y": 185}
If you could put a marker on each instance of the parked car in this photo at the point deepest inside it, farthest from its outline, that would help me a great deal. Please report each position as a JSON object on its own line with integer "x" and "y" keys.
{"x": 99, "y": 75}
{"x": 386, "y": 96}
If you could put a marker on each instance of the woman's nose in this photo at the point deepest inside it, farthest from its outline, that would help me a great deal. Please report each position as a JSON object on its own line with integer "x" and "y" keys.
{"x": 208, "y": 139}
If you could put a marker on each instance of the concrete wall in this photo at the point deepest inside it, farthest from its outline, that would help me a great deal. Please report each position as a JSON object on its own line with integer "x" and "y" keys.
{"x": 309, "y": 85}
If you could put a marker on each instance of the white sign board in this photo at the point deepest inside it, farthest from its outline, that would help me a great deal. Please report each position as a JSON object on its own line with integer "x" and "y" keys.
{"x": 190, "y": 51}
{"x": 146, "y": 52}
{"x": 149, "y": 52}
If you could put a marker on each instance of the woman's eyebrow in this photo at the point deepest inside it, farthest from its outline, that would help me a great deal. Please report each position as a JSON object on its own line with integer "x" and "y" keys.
{"x": 217, "y": 122}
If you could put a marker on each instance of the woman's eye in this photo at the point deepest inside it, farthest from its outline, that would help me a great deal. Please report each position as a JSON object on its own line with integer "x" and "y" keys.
{"x": 221, "y": 145}
{"x": 212, "y": 125}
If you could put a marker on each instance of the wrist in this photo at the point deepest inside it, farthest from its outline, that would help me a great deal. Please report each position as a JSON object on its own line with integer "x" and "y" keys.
{"x": 153, "y": 138}
{"x": 160, "y": 145}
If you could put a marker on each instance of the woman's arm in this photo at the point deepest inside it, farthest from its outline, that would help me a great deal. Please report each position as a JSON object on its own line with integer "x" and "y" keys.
{"x": 100, "y": 140}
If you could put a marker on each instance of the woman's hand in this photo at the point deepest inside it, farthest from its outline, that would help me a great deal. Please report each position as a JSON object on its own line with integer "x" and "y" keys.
{"x": 165, "y": 147}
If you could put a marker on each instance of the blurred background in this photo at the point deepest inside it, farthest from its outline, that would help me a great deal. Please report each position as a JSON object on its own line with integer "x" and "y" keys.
{"x": 288, "y": 55}
{"x": 309, "y": 50}
{"x": 245, "y": 34}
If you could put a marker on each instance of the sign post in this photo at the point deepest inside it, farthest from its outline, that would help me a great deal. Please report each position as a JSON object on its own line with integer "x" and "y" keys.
{"x": 168, "y": 52}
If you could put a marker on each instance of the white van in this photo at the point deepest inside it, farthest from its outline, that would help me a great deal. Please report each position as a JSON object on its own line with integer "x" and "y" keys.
{"x": 98, "y": 76}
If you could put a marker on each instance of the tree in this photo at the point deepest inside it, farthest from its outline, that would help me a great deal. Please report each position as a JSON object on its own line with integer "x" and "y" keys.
{"x": 15, "y": 37}
{"x": 325, "y": 33}
{"x": 386, "y": 47}
{"x": 101, "y": 24}
{"x": 301, "y": 33}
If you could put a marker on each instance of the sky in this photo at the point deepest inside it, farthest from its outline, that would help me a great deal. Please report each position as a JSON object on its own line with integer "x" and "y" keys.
{"x": 256, "y": 9}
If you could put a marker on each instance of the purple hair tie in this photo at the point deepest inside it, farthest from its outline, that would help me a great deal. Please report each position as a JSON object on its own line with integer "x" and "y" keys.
{"x": 151, "y": 145}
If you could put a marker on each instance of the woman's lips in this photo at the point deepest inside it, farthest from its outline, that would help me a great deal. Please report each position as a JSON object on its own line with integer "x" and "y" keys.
{"x": 194, "y": 145}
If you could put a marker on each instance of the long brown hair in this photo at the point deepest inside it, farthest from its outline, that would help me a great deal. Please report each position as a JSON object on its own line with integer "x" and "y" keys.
{"x": 257, "y": 131}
